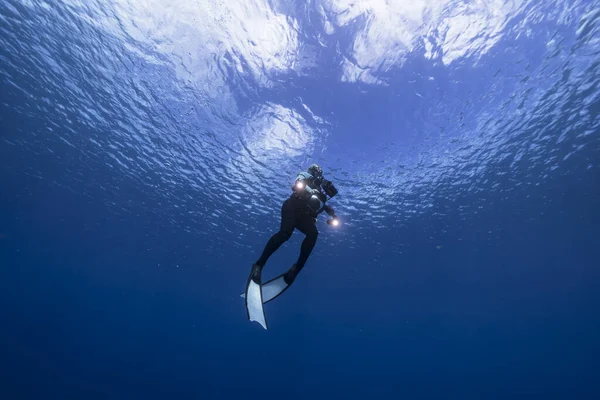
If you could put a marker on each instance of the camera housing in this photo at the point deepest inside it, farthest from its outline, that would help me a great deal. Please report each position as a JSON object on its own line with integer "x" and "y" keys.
{"x": 329, "y": 188}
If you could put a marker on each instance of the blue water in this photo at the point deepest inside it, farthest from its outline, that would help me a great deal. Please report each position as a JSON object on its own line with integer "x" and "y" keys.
{"x": 146, "y": 148}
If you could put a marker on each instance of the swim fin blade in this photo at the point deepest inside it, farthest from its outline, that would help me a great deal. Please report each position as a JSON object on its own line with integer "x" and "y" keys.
{"x": 254, "y": 297}
{"x": 272, "y": 288}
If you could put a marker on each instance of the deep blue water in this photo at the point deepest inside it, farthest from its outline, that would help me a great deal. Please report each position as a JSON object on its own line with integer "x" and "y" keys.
{"x": 146, "y": 148}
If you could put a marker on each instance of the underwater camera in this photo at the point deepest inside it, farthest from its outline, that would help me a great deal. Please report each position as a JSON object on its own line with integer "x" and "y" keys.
{"x": 329, "y": 188}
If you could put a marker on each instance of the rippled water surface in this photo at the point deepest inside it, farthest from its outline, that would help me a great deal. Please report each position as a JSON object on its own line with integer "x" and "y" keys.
{"x": 169, "y": 132}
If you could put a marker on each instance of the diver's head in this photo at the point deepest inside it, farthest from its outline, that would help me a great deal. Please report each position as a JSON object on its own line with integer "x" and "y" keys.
{"x": 316, "y": 171}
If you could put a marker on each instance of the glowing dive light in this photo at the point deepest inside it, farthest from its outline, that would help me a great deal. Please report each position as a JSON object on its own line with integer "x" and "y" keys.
{"x": 333, "y": 221}
{"x": 300, "y": 185}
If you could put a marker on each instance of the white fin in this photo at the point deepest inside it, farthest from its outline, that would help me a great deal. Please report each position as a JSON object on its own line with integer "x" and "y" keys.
{"x": 254, "y": 304}
{"x": 271, "y": 289}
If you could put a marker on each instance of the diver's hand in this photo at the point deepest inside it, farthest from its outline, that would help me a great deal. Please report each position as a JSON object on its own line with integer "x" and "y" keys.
{"x": 329, "y": 210}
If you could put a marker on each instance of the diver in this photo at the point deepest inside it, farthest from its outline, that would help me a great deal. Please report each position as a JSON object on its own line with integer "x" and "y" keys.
{"x": 299, "y": 211}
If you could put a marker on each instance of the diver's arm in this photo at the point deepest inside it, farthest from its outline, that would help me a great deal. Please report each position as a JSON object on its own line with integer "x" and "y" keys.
{"x": 329, "y": 210}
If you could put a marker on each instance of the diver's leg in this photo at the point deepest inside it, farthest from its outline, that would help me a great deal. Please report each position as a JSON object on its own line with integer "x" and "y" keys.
{"x": 285, "y": 232}
{"x": 306, "y": 225}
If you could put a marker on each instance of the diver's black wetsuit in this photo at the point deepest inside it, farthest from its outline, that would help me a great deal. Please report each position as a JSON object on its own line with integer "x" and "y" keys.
{"x": 295, "y": 214}
{"x": 299, "y": 211}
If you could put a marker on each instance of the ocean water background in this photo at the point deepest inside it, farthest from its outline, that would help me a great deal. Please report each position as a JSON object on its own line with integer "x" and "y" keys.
{"x": 146, "y": 148}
